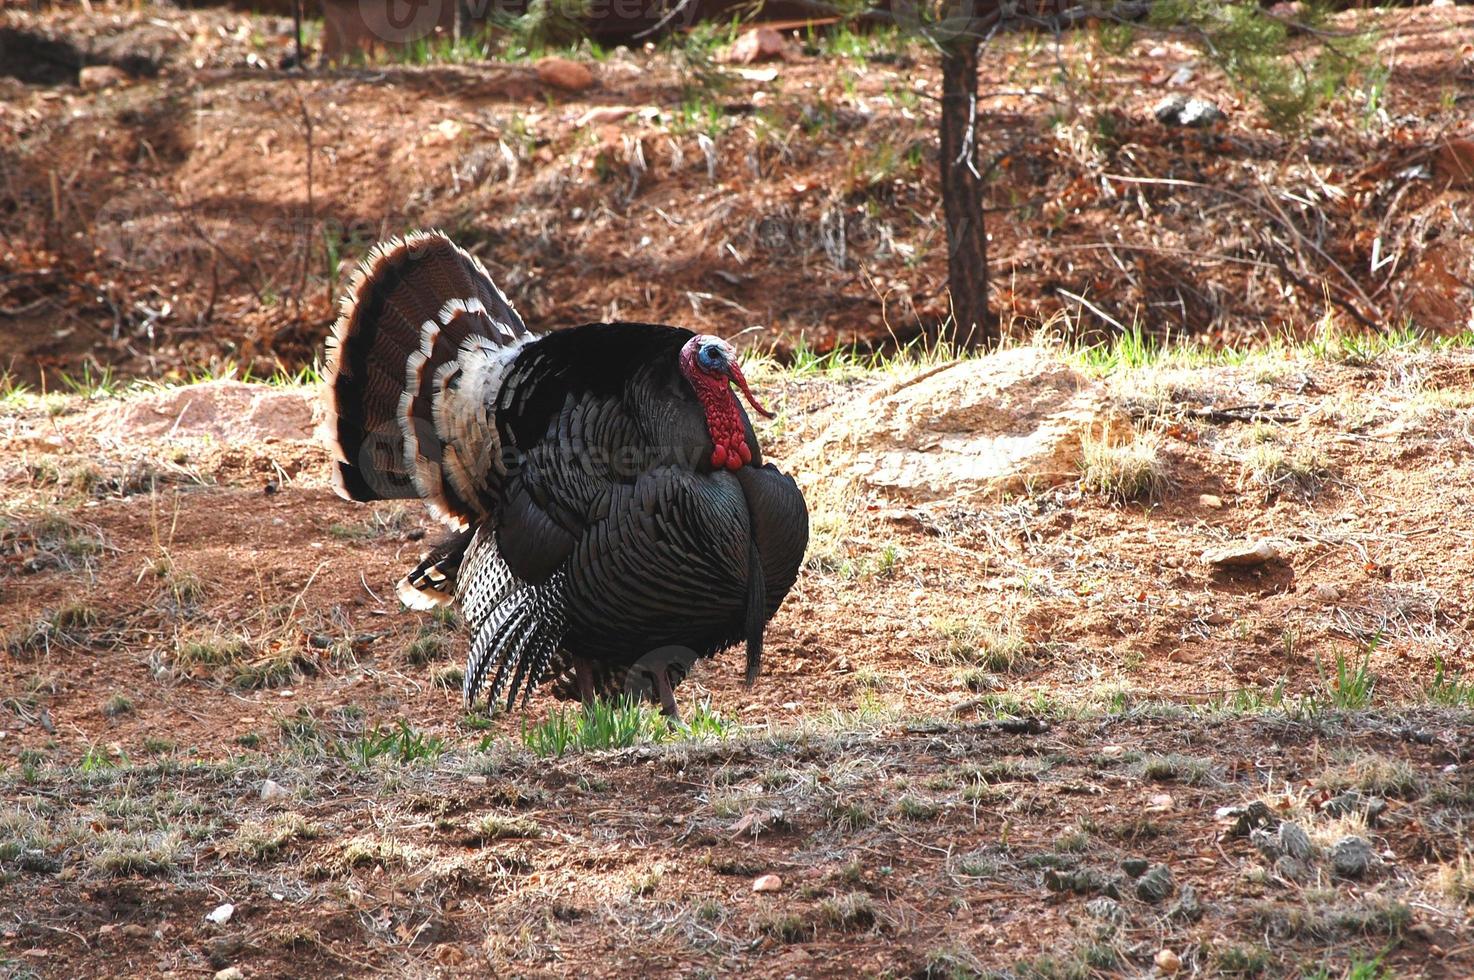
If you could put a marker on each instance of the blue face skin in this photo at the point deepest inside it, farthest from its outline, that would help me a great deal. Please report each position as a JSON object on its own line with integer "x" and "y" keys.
{"x": 712, "y": 359}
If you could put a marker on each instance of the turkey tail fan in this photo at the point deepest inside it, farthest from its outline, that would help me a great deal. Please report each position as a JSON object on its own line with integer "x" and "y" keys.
{"x": 423, "y": 338}
{"x": 432, "y": 582}
{"x": 757, "y": 613}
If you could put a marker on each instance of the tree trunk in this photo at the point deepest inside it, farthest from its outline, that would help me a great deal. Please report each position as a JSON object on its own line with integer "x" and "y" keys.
{"x": 962, "y": 199}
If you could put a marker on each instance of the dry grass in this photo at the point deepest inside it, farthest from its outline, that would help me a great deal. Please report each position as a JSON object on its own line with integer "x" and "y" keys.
{"x": 1123, "y": 471}
{"x": 1271, "y": 467}
{"x": 992, "y": 646}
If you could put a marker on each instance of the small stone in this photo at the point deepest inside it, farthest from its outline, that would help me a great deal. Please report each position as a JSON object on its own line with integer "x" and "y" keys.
{"x": 273, "y": 790}
{"x": 1182, "y": 76}
{"x": 1242, "y": 554}
{"x": 1294, "y": 841}
{"x": 1325, "y": 592}
{"x": 1156, "y": 884}
{"x": 1266, "y": 841}
{"x": 1106, "y": 910}
{"x": 96, "y": 77}
{"x": 1247, "y": 818}
{"x": 757, "y": 44}
{"x": 1370, "y": 807}
{"x": 1083, "y": 881}
{"x": 1210, "y": 500}
{"x": 220, "y": 914}
{"x": 230, "y": 973}
{"x": 1291, "y": 869}
{"x": 1177, "y": 110}
{"x": 1135, "y": 867}
{"x": 603, "y": 115}
{"x": 767, "y": 883}
{"x": 1351, "y": 857}
{"x": 1160, "y": 803}
{"x": 1167, "y": 961}
{"x": 561, "y": 73}
{"x": 1187, "y": 908}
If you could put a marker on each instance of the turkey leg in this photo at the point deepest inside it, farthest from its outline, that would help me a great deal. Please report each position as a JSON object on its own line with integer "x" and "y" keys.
{"x": 667, "y": 695}
{"x": 583, "y": 679}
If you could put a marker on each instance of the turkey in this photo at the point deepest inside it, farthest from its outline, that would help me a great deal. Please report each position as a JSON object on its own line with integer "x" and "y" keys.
{"x": 612, "y": 516}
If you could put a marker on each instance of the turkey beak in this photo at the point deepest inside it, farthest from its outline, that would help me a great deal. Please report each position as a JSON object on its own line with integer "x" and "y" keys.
{"x": 735, "y": 373}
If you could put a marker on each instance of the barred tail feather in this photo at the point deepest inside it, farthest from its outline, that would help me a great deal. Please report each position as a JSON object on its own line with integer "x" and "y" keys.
{"x": 516, "y": 645}
{"x": 423, "y": 339}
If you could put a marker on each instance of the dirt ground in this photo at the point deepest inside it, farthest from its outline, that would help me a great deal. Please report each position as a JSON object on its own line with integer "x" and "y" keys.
{"x": 205, "y": 209}
{"x": 1030, "y": 733}
{"x": 973, "y": 712}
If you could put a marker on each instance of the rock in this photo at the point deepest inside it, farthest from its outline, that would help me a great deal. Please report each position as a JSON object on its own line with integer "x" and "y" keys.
{"x": 230, "y": 973}
{"x": 273, "y": 790}
{"x": 1187, "y": 908}
{"x": 1292, "y": 12}
{"x": 1178, "y": 110}
{"x": 220, "y": 914}
{"x": 1266, "y": 841}
{"x": 1295, "y": 842}
{"x": 767, "y": 883}
{"x": 1106, "y": 910}
{"x": 230, "y": 412}
{"x": 1453, "y": 161}
{"x": 1291, "y": 869}
{"x": 758, "y": 44}
{"x": 1156, "y": 885}
{"x": 1002, "y": 423}
{"x": 1325, "y": 592}
{"x": 1160, "y": 803}
{"x": 1351, "y": 857}
{"x": 561, "y": 73}
{"x": 1135, "y": 867}
{"x": 603, "y": 115}
{"x": 1211, "y": 501}
{"x": 1242, "y": 554}
{"x": 94, "y": 78}
{"x": 1167, "y": 961}
{"x": 1182, "y": 76}
{"x": 1370, "y": 807}
{"x": 1083, "y": 881}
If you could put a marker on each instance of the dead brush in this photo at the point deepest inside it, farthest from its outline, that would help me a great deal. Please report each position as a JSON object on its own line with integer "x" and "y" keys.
{"x": 50, "y": 540}
{"x": 67, "y": 625}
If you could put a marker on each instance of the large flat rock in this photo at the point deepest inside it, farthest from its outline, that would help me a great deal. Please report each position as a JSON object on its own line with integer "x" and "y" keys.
{"x": 227, "y": 411}
{"x": 994, "y": 424}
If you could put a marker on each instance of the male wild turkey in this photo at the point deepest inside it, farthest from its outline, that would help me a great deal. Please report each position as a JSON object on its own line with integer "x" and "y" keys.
{"x": 614, "y": 518}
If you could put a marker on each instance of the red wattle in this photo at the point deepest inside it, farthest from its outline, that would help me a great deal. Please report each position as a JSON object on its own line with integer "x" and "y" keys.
{"x": 724, "y": 421}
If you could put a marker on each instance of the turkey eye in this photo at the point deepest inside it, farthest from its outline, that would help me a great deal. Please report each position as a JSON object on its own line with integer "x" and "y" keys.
{"x": 712, "y": 358}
